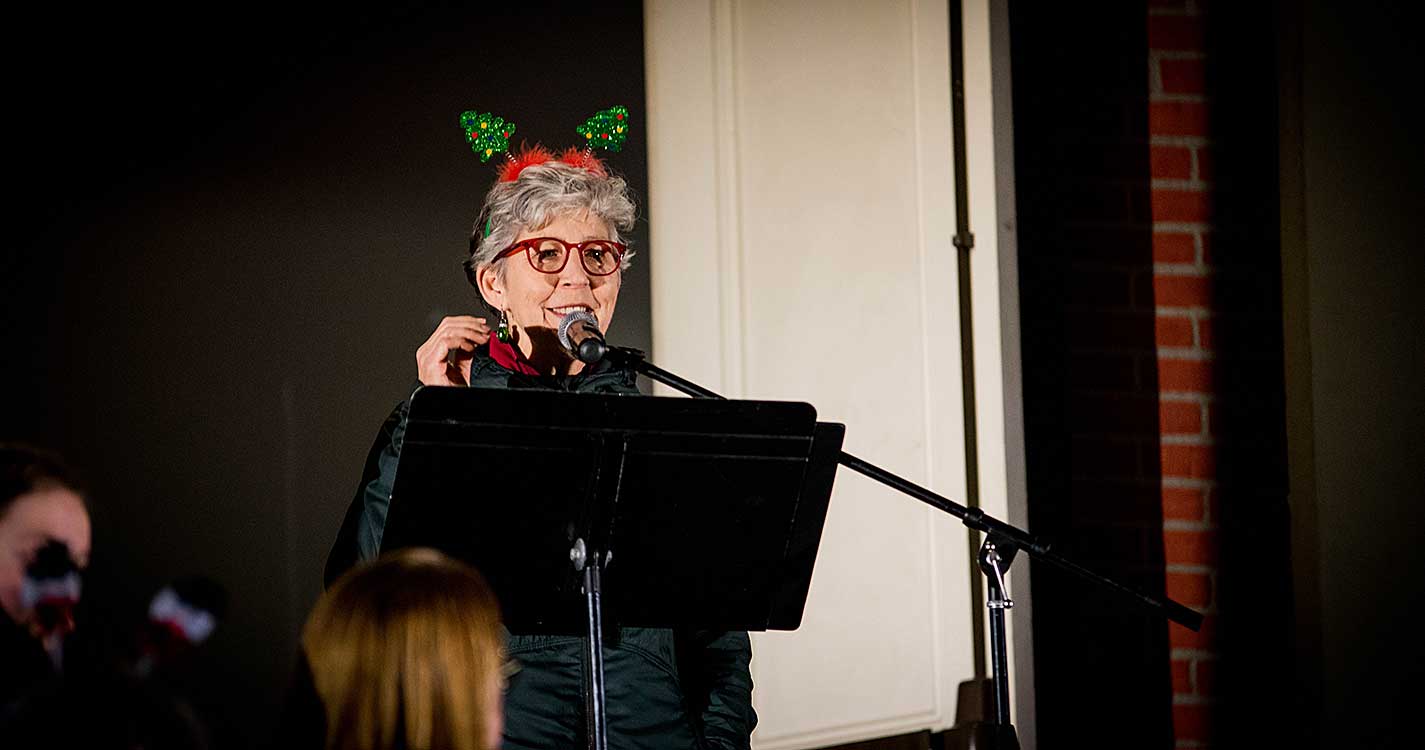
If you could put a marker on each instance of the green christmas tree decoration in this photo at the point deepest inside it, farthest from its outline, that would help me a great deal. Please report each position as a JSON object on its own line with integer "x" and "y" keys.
{"x": 606, "y": 130}
{"x": 487, "y": 134}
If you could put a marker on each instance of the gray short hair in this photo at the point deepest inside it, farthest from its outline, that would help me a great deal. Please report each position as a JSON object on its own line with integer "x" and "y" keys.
{"x": 541, "y": 194}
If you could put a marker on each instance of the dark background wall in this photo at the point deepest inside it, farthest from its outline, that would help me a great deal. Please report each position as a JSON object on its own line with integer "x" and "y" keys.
{"x": 1302, "y": 193}
{"x": 1090, "y": 384}
{"x": 1357, "y": 315}
{"x": 228, "y": 234}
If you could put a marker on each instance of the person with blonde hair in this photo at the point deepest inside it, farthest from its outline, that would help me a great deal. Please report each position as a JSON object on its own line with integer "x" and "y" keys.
{"x": 407, "y": 652}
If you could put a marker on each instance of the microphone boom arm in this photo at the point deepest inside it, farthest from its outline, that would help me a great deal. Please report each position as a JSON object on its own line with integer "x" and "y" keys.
{"x": 971, "y": 517}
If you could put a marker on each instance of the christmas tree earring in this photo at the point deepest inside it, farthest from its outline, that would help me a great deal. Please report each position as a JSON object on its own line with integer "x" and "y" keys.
{"x": 502, "y": 331}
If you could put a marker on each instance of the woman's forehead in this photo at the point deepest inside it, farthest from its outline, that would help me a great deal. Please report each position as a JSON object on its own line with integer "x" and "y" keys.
{"x": 55, "y": 512}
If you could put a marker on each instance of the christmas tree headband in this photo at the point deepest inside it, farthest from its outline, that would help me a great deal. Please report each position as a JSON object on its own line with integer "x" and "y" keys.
{"x": 488, "y": 135}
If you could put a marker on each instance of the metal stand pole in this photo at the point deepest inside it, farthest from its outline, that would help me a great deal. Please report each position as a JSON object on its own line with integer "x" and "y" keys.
{"x": 594, "y": 704}
{"x": 995, "y": 556}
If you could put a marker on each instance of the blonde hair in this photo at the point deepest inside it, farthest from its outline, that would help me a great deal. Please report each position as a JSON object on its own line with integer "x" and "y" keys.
{"x": 406, "y": 652}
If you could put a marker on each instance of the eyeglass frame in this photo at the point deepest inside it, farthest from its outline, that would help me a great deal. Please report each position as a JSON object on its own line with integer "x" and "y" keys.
{"x": 531, "y": 244}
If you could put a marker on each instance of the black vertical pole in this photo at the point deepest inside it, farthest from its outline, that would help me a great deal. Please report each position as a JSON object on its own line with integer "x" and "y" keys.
{"x": 999, "y": 648}
{"x": 596, "y": 707}
{"x": 964, "y": 240}
{"x": 993, "y": 561}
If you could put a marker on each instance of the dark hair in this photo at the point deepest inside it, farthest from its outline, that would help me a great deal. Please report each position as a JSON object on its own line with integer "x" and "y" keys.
{"x": 25, "y": 468}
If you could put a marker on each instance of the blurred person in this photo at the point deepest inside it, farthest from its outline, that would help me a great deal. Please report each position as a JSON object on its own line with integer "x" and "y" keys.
{"x": 407, "y": 652}
{"x": 44, "y": 542}
{"x": 62, "y": 686}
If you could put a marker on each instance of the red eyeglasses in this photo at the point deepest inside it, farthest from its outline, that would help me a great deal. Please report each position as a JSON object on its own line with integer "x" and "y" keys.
{"x": 551, "y": 254}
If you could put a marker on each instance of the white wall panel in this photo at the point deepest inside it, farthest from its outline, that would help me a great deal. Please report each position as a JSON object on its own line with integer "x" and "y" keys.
{"x": 802, "y": 215}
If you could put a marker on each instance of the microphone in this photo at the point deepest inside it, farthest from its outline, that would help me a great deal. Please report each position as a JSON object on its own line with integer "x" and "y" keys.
{"x": 181, "y": 616}
{"x": 580, "y": 336}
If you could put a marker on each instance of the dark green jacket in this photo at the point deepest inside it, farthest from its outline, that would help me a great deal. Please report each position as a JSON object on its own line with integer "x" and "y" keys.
{"x": 663, "y": 689}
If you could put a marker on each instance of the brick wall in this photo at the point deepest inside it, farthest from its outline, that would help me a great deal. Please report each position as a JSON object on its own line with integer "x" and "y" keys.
{"x": 1180, "y": 156}
{"x": 1150, "y": 266}
{"x": 1089, "y": 334}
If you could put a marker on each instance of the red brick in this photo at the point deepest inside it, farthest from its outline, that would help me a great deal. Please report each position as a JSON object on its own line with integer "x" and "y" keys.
{"x": 1191, "y": 375}
{"x": 1206, "y": 248}
{"x": 1173, "y": 247}
{"x": 1189, "y": 547}
{"x": 1212, "y": 425}
{"x": 1170, "y": 162}
{"x": 1182, "y": 677}
{"x": 1179, "y": 418}
{"x": 1173, "y": 330}
{"x": 1177, "y": 118}
{"x": 1180, "y": 290}
{"x": 1203, "y": 639}
{"x": 1204, "y": 333}
{"x": 1181, "y": 76}
{"x": 1176, "y": 33}
{"x": 1182, "y": 504}
{"x": 1204, "y": 163}
{"x": 1188, "y": 461}
{"x": 1192, "y": 721}
{"x": 1205, "y": 677}
{"x": 1189, "y": 589}
{"x": 1181, "y": 205}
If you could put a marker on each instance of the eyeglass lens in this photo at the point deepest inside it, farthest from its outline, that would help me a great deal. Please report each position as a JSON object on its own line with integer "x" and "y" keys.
{"x": 598, "y": 258}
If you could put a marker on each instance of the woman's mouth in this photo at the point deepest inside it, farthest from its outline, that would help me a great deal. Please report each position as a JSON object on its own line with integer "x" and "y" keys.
{"x": 562, "y": 311}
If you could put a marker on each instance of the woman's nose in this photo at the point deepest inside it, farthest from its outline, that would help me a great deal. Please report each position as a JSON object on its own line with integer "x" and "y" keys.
{"x": 574, "y": 273}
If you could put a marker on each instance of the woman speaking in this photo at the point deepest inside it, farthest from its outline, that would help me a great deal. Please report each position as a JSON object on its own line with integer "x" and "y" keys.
{"x": 547, "y": 244}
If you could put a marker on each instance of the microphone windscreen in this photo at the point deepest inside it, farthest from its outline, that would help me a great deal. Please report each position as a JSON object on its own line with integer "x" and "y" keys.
{"x": 569, "y": 321}
{"x": 189, "y": 608}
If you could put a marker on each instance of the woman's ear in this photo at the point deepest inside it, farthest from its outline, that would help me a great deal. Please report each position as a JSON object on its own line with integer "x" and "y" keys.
{"x": 491, "y": 287}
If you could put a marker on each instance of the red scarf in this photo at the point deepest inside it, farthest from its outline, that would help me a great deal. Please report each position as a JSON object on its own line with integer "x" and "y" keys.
{"x": 510, "y": 358}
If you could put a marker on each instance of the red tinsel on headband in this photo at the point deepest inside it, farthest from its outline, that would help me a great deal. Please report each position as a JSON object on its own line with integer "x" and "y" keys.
{"x": 529, "y": 156}
{"x": 583, "y": 158}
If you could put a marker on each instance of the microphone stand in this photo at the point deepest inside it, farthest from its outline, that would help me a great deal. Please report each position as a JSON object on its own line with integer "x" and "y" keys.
{"x": 1001, "y": 541}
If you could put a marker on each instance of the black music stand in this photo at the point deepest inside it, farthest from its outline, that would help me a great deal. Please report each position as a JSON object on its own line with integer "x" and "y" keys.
{"x": 637, "y": 511}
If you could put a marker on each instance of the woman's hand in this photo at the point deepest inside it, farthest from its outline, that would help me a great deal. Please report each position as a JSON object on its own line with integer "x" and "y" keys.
{"x": 444, "y": 359}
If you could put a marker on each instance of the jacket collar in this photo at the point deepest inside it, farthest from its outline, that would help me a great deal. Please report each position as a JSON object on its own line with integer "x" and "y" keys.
{"x": 510, "y": 358}
{"x": 509, "y": 369}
